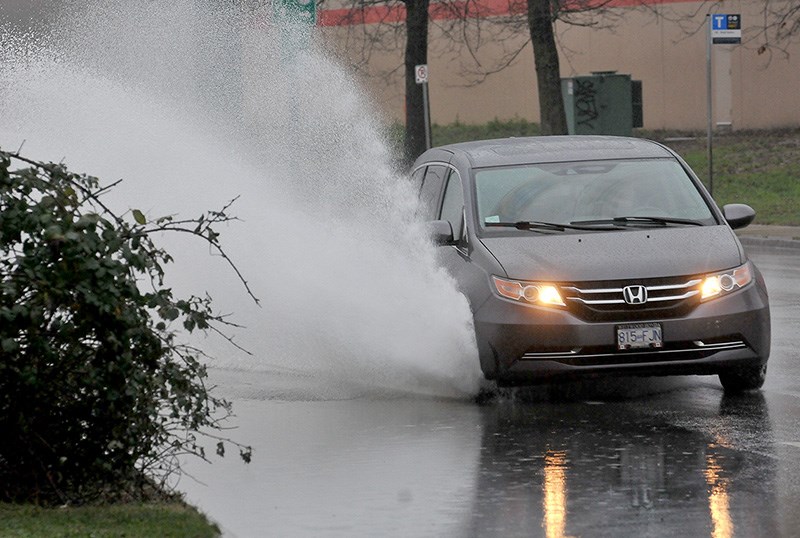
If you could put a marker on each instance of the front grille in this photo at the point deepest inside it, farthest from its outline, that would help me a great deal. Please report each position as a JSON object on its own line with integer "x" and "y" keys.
{"x": 666, "y": 298}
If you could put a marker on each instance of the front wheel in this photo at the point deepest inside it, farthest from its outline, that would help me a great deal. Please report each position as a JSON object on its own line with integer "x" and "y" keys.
{"x": 742, "y": 378}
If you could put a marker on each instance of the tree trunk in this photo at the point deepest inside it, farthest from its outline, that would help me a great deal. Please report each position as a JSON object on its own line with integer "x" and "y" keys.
{"x": 548, "y": 75}
{"x": 416, "y": 54}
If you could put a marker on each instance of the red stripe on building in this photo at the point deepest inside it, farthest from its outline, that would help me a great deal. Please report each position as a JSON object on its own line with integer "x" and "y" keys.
{"x": 452, "y": 10}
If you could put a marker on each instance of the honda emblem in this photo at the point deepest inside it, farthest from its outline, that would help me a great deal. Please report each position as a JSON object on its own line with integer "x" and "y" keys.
{"x": 634, "y": 294}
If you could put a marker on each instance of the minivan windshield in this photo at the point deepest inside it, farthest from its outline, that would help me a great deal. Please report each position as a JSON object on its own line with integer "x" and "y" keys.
{"x": 587, "y": 194}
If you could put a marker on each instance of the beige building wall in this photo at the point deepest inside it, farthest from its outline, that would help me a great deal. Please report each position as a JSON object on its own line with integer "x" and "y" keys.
{"x": 664, "y": 46}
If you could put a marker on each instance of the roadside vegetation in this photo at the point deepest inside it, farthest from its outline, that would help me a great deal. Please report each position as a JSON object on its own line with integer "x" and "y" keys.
{"x": 759, "y": 168}
{"x": 460, "y": 132}
{"x": 133, "y": 520}
{"x": 100, "y": 396}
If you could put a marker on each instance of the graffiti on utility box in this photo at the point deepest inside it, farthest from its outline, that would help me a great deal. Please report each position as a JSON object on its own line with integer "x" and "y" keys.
{"x": 586, "y": 103}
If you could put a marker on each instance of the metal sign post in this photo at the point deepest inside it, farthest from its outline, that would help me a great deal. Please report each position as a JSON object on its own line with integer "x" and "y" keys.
{"x": 709, "y": 128}
{"x": 421, "y": 76}
{"x": 722, "y": 30}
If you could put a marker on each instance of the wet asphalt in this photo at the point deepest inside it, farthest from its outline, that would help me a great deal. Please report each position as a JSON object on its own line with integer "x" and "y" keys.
{"x": 625, "y": 457}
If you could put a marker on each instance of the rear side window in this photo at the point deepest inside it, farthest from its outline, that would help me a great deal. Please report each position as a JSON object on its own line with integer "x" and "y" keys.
{"x": 453, "y": 205}
{"x": 431, "y": 189}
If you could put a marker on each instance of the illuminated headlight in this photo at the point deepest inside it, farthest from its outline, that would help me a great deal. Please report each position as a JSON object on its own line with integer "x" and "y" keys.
{"x": 723, "y": 283}
{"x": 539, "y": 293}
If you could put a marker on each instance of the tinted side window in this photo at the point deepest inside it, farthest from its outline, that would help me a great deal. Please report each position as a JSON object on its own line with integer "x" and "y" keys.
{"x": 431, "y": 188}
{"x": 453, "y": 204}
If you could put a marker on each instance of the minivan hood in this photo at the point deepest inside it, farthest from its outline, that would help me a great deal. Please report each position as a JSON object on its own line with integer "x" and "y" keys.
{"x": 617, "y": 255}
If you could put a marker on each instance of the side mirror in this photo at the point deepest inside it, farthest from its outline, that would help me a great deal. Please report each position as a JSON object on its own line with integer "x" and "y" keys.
{"x": 738, "y": 215}
{"x": 441, "y": 232}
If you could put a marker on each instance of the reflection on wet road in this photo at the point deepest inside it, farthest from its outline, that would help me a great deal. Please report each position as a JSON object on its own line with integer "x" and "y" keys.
{"x": 625, "y": 468}
{"x": 628, "y": 457}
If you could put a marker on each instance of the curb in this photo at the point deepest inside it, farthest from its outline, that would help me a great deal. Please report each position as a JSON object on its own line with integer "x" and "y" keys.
{"x": 772, "y": 242}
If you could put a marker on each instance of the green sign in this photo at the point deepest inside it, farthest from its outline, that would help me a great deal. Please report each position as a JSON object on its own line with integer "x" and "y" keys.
{"x": 297, "y": 10}
{"x": 295, "y": 20}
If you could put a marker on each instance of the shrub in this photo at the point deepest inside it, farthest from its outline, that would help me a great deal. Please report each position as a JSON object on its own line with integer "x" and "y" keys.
{"x": 97, "y": 395}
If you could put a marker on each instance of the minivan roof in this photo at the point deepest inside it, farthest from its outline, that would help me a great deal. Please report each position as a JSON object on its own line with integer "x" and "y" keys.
{"x": 550, "y": 149}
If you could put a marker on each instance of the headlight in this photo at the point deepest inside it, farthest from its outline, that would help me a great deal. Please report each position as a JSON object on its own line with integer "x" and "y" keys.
{"x": 720, "y": 284}
{"x": 539, "y": 293}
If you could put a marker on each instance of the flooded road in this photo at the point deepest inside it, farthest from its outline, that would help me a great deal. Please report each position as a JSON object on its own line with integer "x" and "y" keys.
{"x": 631, "y": 456}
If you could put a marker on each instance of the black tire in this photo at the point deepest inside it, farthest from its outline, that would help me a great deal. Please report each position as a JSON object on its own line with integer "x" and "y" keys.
{"x": 743, "y": 378}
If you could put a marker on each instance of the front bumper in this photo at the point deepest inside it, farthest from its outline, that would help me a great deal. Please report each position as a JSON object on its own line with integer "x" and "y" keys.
{"x": 523, "y": 344}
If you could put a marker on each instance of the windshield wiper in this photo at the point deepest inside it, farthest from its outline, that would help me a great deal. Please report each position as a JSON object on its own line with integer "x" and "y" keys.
{"x": 539, "y": 225}
{"x": 647, "y": 221}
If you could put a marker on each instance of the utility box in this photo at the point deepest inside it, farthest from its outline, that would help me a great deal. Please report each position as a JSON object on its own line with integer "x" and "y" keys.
{"x": 603, "y": 103}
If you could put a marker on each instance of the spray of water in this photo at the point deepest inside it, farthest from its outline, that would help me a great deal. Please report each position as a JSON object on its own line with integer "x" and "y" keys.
{"x": 193, "y": 105}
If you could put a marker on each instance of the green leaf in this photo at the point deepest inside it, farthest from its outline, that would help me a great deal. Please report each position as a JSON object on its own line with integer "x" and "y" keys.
{"x": 139, "y": 217}
{"x": 9, "y": 345}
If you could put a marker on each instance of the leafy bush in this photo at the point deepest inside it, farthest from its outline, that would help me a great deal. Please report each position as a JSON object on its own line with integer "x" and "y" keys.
{"x": 97, "y": 395}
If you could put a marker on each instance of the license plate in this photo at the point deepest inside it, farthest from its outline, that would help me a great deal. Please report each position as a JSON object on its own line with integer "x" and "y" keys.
{"x": 639, "y": 335}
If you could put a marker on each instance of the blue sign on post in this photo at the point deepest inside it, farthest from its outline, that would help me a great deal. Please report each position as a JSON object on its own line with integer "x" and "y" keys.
{"x": 726, "y": 29}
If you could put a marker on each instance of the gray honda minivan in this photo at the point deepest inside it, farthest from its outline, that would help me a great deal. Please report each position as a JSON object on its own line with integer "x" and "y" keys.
{"x": 586, "y": 255}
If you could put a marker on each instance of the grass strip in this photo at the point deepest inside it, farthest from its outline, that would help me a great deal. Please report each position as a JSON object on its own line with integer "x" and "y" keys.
{"x": 165, "y": 520}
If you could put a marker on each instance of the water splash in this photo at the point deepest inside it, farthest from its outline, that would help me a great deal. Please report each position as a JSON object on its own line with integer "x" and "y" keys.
{"x": 193, "y": 105}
